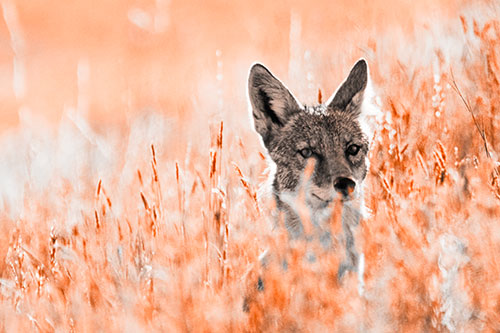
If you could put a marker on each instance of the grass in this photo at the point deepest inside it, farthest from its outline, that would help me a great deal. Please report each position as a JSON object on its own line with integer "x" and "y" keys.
{"x": 164, "y": 234}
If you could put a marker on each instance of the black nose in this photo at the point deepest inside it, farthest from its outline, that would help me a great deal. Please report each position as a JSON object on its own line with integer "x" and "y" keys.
{"x": 344, "y": 186}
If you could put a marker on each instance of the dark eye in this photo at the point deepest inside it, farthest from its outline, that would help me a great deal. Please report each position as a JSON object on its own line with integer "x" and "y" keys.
{"x": 353, "y": 150}
{"x": 306, "y": 152}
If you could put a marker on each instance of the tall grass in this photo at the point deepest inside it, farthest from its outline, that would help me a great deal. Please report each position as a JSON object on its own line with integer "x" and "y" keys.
{"x": 139, "y": 230}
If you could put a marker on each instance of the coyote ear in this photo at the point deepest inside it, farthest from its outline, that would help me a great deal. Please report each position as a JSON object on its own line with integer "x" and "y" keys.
{"x": 272, "y": 103}
{"x": 349, "y": 95}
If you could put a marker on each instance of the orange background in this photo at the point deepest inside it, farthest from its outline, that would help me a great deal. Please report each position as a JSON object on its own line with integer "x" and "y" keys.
{"x": 136, "y": 56}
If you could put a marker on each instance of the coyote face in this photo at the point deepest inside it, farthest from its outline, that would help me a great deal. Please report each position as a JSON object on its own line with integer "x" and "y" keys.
{"x": 329, "y": 136}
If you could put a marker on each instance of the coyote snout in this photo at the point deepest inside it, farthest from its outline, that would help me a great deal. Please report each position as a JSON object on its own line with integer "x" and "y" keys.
{"x": 344, "y": 186}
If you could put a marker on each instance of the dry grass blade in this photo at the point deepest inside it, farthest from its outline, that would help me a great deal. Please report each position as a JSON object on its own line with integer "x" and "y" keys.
{"x": 248, "y": 188}
{"x": 469, "y": 109}
{"x": 144, "y": 201}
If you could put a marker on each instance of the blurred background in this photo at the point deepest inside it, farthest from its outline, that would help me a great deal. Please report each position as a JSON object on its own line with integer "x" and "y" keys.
{"x": 110, "y": 60}
{"x": 130, "y": 176}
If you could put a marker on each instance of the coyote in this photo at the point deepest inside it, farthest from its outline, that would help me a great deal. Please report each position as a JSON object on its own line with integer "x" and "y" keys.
{"x": 331, "y": 136}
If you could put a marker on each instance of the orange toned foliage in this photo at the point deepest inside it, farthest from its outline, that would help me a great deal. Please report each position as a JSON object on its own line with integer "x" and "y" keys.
{"x": 137, "y": 200}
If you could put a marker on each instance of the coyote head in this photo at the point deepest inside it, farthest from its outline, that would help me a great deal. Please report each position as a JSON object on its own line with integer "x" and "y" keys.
{"x": 330, "y": 135}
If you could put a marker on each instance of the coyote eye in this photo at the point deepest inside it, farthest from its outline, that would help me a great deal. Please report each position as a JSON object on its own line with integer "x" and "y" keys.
{"x": 306, "y": 152}
{"x": 353, "y": 150}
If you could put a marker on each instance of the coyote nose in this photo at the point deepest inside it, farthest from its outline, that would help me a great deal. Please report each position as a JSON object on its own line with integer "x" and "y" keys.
{"x": 344, "y": 186}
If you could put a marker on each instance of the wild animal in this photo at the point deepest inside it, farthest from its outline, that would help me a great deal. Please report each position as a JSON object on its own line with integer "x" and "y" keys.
{"x": 331, "y": 136}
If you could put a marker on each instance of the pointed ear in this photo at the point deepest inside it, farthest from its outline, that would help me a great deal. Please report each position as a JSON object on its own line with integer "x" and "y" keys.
{"x": 349, "y": 95}
{"x": 272, "y": 103}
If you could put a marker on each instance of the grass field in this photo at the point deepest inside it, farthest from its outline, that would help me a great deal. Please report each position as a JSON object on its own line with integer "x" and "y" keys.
{"x": 133, "y": 189}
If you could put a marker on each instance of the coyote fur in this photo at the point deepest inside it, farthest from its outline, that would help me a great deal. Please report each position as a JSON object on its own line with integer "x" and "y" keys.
{"x": 330, "y": 137}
